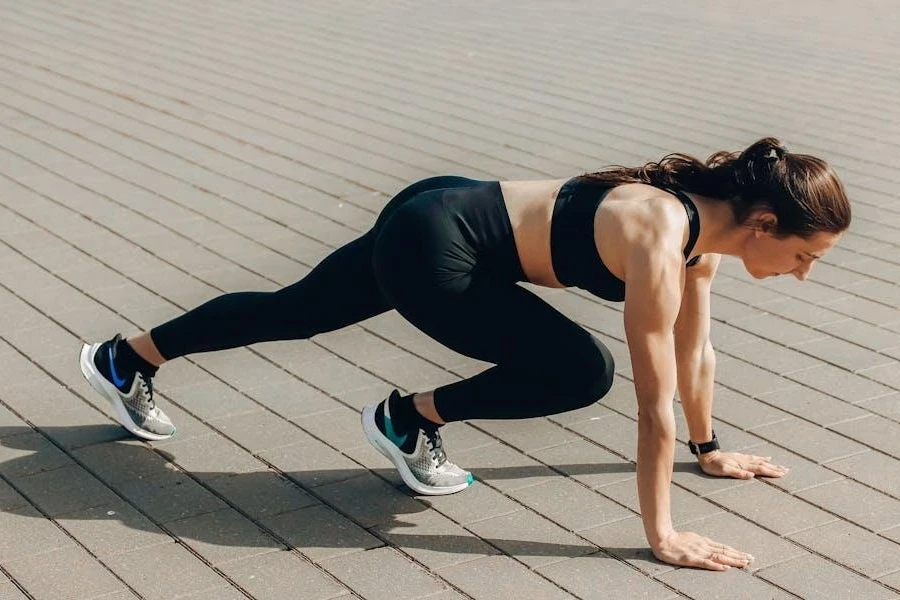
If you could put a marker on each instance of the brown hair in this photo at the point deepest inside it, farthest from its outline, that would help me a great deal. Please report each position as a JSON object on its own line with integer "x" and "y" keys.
{"x": 802, "y": 191}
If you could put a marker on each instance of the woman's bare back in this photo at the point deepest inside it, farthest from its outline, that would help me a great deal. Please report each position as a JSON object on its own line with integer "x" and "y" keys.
{"x": 624, "y": 209}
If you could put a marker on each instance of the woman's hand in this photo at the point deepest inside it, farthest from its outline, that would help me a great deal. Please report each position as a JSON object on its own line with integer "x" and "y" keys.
{"x": 739, "y": 466}
{"x": 687, "y": 549}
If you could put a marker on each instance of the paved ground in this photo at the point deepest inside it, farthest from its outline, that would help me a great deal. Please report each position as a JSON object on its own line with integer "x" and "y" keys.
{"x": 154, "y": 154}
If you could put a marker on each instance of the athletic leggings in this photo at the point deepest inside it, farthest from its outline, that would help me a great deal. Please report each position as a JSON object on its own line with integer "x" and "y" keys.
{"x": 442, "y": 254}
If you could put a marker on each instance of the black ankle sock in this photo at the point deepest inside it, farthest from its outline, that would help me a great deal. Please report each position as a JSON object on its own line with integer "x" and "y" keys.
{"x": 405, "y": 416}
{"x": 131, "y": 362}
{"x": 405, "y": 420}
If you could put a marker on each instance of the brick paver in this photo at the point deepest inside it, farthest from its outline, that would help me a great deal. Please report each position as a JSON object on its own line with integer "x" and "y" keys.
{"x": 155, "y": 154}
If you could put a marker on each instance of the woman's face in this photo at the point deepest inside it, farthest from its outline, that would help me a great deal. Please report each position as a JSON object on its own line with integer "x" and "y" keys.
{"x": 766, "y": 255}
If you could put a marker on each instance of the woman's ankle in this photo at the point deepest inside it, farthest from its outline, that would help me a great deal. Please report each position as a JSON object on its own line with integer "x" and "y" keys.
{"x": 144, "y": 347}
{"x": 423, "y": 403}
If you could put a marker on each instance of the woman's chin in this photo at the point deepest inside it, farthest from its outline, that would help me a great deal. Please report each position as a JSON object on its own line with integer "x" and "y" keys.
{"x": 759, "y": 274}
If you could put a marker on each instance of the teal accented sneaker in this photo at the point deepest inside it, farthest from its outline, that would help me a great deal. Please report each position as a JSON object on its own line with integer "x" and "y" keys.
{"x": 426, "y": 470}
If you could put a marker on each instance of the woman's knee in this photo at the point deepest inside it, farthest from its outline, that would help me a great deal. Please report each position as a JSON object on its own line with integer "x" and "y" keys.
{"x": 592, "y": 376}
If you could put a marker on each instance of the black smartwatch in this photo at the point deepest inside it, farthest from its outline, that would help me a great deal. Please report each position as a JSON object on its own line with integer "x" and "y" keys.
{"x": 705, "y": 447}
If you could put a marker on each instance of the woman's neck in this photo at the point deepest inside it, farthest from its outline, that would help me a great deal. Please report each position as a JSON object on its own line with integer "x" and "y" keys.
{"x": 719, "y": 234}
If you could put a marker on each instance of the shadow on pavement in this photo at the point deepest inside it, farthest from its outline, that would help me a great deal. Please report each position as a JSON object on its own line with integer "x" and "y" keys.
{"x": 144, "y": 490}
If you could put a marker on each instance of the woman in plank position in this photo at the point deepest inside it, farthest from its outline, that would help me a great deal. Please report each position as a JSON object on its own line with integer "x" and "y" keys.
{"x": 447, "y": 253}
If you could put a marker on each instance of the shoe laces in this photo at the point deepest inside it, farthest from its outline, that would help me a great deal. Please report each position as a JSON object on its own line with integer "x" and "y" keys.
{"x": 146, "y": 385}
{"x": 435, "y": 446}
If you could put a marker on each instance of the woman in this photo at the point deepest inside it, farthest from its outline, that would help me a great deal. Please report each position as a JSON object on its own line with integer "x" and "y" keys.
{"x": 447, "y": 253}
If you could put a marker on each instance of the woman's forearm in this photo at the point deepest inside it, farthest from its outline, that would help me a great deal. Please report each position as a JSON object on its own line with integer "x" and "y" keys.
{"x": 655, "y": 457}
{"x": 696, "y": 382}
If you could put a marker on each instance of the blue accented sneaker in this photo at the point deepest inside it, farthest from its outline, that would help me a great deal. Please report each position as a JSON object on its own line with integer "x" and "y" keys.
{"x": 426, "y": 470}
{"x": 131, "y": 394}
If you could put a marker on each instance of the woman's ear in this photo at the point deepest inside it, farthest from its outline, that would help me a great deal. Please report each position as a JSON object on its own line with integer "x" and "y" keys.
{"x": 766, "y": 223}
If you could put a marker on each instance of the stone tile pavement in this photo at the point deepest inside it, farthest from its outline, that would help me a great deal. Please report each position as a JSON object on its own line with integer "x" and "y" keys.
{"x": 154, "y": 154}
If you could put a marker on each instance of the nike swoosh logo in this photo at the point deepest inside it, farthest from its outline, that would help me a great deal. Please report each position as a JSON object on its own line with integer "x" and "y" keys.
{"x": 118, "y": 381}
{"x": 391, "y": 434}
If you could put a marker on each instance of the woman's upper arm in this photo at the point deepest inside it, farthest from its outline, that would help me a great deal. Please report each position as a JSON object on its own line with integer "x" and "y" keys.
{"x": 692, "y": 324}
{"x": 654, "y": 278}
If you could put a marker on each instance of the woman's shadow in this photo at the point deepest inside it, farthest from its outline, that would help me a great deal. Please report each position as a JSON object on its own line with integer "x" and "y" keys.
{"x": 143, "y": 493}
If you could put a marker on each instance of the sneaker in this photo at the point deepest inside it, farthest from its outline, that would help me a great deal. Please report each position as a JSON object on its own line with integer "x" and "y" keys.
{"x": 426, "y": 470}
{"x": 131, "y": 396}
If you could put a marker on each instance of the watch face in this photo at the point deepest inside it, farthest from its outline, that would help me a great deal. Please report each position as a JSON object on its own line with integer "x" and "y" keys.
{"x": 705, "y": 446}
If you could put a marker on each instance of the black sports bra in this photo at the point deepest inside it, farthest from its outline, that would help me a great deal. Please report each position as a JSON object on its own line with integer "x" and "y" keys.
{"x": 573, "y": 251}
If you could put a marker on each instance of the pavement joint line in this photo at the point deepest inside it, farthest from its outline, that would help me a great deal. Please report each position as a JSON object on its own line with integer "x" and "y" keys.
{"x": 16, "y": 583}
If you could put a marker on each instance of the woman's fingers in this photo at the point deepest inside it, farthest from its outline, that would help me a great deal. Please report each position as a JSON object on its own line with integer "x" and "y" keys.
{"x": 763, "y": 466}
{"x": 739, "y": 473}
{"x": 713, "y": 565}
{"x": 691, "y": 550}
{"x": 771, "y": 471}
{"x": 729, "y": 556}
{"x": 737, "y": 470}
{"x": 729, "y": 560}
{"x": 735, "y": 552}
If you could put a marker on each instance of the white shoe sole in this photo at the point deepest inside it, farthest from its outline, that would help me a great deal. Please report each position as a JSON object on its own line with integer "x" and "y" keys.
{"x": 108, "y": 391}
{"x": 393, "y": 454}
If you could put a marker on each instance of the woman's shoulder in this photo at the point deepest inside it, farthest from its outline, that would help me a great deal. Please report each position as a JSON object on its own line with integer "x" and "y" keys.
{"x": 643, "y": 191}
{"x": 648, "y": 210}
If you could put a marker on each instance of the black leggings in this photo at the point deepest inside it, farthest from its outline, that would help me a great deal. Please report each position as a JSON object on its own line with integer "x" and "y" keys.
{"x": 442, "y": 254}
